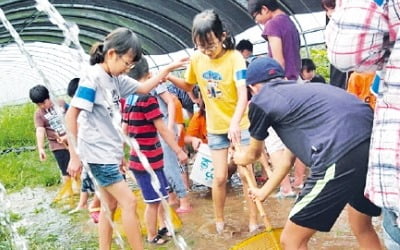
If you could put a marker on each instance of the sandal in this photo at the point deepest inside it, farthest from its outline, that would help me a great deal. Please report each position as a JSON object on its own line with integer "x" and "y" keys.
{"x": 158, "y": 240}
{"x": 164, "y": 232}
{"x": 95, "y": 214}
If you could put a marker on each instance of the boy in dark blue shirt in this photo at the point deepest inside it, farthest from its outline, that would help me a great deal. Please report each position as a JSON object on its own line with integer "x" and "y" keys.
{"x": 327, "y": 129}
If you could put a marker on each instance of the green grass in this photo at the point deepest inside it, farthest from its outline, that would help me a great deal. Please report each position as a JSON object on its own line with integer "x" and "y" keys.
{"x": 25, "y": 170}
{"x": 17, "y": 127}
{"x": 19, "y": 170}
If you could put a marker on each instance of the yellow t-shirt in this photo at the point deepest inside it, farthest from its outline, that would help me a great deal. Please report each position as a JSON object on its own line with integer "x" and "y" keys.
{"x": 217, "y": 80}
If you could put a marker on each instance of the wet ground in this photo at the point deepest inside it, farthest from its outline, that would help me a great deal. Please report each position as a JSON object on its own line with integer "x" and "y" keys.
{"x": 50, "y": 227}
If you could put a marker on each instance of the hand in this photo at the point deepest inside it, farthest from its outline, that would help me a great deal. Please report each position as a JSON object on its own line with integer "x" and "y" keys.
{"x": 182, "y": 157}
{"x": 196, "y": 142}
{"x": 63, "y": 140}
{"x": 256, "y": 194}
{"x": 74, "y": 167}
{"x": 42, "y": 154}
{"x": 178, "y": 64}
{"x": 234, "y": 133}
{"x": 123, "y": 166}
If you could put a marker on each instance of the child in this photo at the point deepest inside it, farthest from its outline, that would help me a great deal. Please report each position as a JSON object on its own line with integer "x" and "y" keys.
{"x": 143, "y": 119}
{"x": 49, "y": 124}
{"x": 360, "y": 85}
{"x": 86, "y": 182}
{"x": 220, "y": 71}
{"x": 320, "y": 137}
{"x": 307, "y": 71}
{"x": 178, "y": 192}
{"x": 100, "y": 145}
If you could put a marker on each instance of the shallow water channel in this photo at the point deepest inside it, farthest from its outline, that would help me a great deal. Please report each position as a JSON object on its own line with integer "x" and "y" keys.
{"x": 47, "y": 226}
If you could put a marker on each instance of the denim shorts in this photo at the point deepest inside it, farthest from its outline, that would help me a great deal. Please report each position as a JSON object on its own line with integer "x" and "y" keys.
{"x": 106, "y": 174}
{"x": 221, "y": 141}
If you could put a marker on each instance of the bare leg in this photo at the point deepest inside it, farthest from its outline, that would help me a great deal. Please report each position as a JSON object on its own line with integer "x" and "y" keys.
{"x": 281, "y": 158}
{"x": 295, "y": 236}
{"x": 105, "y": 229}
{"x": 151, "y": 214}
{"x": 130, "y": 222}
{"x": 267, "y": 171}
{"x": 219, "y": 159}
{"x": 361, "y": 225}
{"x": 251, "y": 205}
{"x": 299, "y": 172}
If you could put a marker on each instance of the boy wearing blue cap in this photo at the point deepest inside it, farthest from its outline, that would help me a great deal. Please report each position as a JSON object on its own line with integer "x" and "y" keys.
{"x": 317, "y": 124}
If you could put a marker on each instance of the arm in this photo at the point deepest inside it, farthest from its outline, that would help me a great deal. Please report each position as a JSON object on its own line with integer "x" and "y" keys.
{"x": 40, "y": 135}
{"x": 279, "y": 173}
{"x": 168, "y": 99}
{"x": 71, "y": 117}
{"x": 169, "y": 138}
{"x": 151, "y": 83}
{"x": 180, "y": 83}
{"x": 234, "y": 128}
{"x": 277, "y": 49}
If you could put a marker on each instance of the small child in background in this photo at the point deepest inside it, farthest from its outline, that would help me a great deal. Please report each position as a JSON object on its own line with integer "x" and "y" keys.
{"x": 180, "y": 131}
{"x": 359, "y": 84}
{"x": 143, "y": 121}
{"x": 49, "y": 124}
{"x": 307, "y": 72}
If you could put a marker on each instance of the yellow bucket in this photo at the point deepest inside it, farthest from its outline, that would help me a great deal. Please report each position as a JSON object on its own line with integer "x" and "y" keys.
{"x": 259, "y": 241}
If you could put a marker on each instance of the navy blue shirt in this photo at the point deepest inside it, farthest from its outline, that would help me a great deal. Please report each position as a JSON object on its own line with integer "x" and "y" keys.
{"x": 318, "y": 123}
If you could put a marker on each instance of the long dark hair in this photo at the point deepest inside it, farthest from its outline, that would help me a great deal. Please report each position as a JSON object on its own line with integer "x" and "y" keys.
{"x": 206, "y": 22}
{"x": 120, "y": 39}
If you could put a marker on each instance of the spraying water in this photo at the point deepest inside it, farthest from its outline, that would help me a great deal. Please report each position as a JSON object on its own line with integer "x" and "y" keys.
{"x": 71, "y": 32}
{"x": 17, "y": 241}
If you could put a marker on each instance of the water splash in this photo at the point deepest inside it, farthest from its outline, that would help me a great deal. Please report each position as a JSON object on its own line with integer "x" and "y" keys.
{"x": 17, "y": 241}
{"x": 71, "y": 33}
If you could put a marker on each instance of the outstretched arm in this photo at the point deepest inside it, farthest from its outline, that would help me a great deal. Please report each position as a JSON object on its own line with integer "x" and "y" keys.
{"x": 180, "y": 83}
{"x": 151, "y": 83}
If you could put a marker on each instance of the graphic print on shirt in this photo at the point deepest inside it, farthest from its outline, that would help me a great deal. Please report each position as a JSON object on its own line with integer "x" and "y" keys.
{"x": 55, "y": 121}
{"x": 112, "y": 98}
{"x": 213, "y": 80}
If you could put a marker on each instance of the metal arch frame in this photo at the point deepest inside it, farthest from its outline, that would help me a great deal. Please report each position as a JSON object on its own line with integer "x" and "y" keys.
{"x": 139, "y": 22}
{"x": 174, "y": 28}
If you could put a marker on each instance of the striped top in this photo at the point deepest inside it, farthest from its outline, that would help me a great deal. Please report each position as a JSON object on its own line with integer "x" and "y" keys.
{"x": 139, "y": 113}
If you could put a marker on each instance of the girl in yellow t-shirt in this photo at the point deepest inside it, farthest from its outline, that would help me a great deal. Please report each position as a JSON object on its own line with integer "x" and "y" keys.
{"x": 220, "y": 72}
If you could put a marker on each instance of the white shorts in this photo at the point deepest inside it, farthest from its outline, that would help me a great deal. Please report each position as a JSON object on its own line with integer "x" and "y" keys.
{"x": 273, "y": 142}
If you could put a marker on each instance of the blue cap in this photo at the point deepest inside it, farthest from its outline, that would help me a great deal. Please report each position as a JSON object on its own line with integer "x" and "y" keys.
{"x": 263, "y": 69}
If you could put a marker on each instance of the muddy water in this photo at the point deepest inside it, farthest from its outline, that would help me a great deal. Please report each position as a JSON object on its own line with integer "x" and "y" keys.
{"x": 49, "y": 227}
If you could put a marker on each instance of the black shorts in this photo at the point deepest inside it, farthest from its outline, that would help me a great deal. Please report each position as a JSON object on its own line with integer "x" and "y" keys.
{"x": 62, "y": 158}
{"x": 326, "y": 193}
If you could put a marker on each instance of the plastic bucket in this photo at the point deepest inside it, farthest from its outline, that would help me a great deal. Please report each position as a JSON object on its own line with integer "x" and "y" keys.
{"x": 203, "y": 170}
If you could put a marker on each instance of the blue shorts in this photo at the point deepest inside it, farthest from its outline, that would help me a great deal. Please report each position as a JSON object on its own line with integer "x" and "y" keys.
{"x": 148, "y": 192}
{"x": 106, "y": 174}
{"x": 221, "y": 141}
